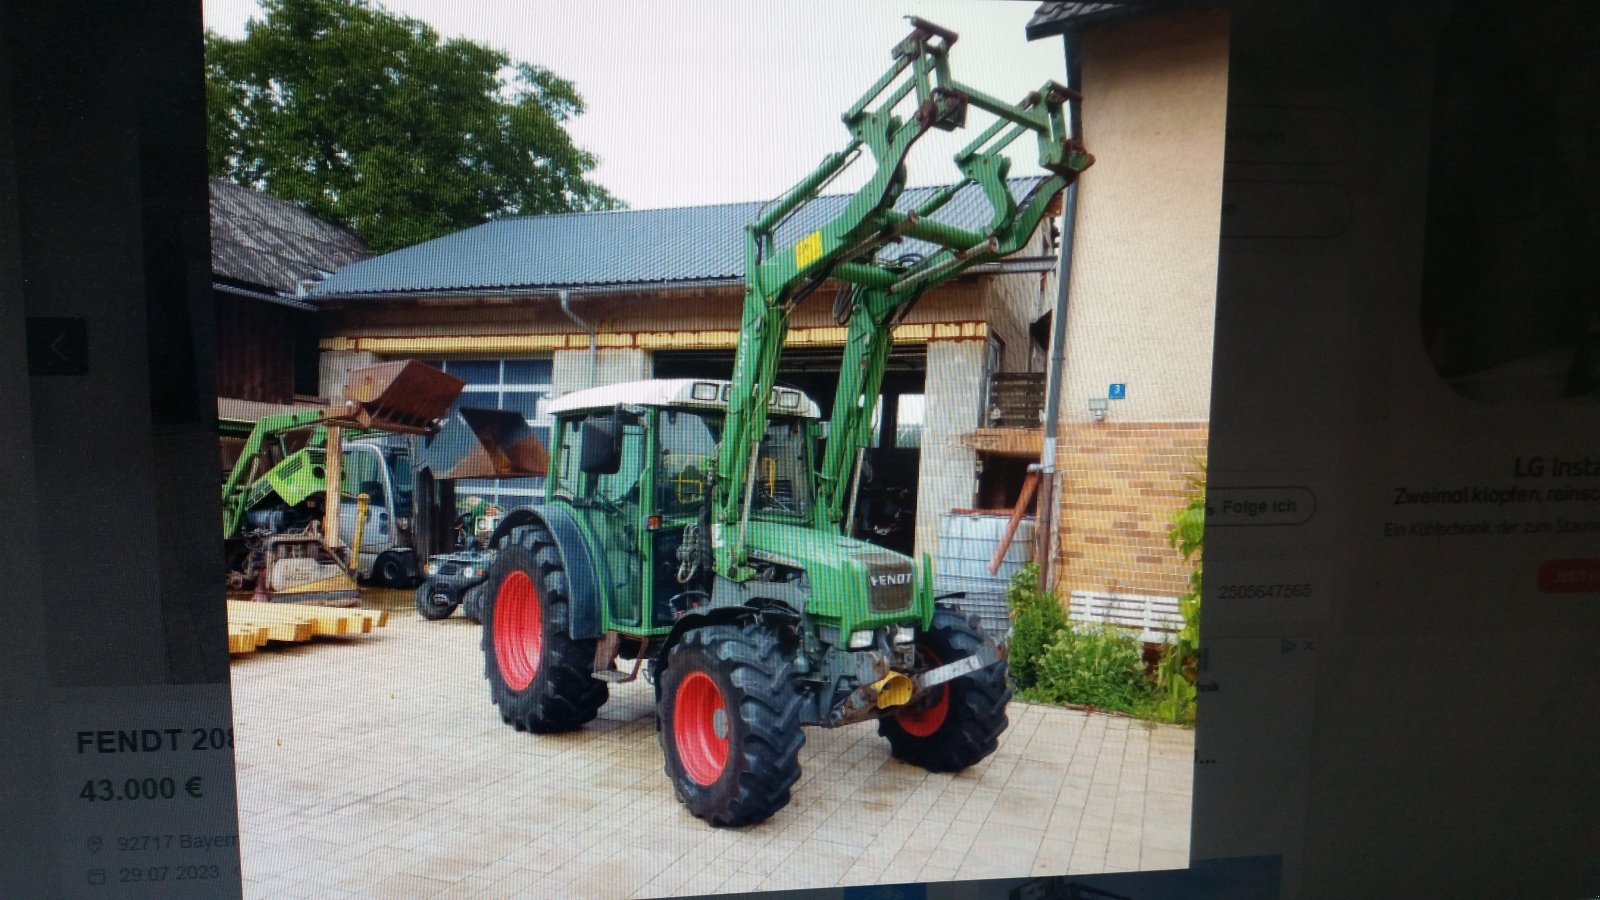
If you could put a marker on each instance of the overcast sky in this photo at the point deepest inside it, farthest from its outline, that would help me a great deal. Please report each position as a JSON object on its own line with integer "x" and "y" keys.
{"x": 693, "y": 102}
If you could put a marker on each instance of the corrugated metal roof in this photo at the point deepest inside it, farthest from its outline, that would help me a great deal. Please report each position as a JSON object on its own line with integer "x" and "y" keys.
{"x": 1056, "y": 18}
{"x": 619, "y": 247}
{"x": 261, "y": 240}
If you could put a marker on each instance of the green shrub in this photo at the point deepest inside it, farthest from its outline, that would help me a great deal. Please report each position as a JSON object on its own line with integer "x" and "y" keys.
{"x": 1102, "y": 667}
{"x": 1036, "y": 618}
{"x": 1175, "y": 674}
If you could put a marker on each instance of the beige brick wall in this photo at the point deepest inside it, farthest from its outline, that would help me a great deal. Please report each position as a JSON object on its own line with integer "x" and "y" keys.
{"x": 1144, "y": 268}
{"x": 947, "y": 478}
{"x": 1120, "y": 485}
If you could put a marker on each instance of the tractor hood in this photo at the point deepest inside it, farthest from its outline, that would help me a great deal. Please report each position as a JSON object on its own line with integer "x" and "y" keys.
{"x": 859, "y": 584}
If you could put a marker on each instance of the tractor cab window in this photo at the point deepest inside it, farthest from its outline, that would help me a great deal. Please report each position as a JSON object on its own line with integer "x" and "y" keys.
{"x": 568, "y": 479}
{"x": 783, "y": 482}
{"x": 623, "y": 486}
{"x": 688, "y": 447}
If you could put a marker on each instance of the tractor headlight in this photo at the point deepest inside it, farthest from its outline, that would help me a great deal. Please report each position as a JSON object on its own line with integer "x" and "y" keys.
{"x": 905, "y": 634}
{"x": 431, "y": 569}
{"x": 861, "y": 640}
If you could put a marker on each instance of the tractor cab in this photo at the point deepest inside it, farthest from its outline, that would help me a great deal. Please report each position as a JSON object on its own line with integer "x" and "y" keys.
{"x": 636, "y": 463}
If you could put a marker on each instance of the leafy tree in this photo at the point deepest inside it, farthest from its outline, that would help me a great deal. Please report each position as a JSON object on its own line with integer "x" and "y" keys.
{"x": 366, "y": 118}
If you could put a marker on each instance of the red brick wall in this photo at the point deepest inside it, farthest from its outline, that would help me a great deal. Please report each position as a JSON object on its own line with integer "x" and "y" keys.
{"x": 1120, "y": 483}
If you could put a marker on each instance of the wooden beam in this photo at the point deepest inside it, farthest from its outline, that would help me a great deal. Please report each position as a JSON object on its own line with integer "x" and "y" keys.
{"x": 1029, "y": 485}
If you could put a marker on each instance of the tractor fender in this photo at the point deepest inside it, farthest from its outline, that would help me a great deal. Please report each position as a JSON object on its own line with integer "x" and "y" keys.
{"x": 758, "y": 608}
{"x": 512, "y": 521}
{"x": 583, "y": 581}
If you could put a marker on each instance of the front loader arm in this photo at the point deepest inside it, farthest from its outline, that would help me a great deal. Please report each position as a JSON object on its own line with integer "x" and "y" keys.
{"x": 845, "y": 248}
{"x": 873, "y": 314}
{"x": 776, "y": 279}
{"x": 247, "y": 468}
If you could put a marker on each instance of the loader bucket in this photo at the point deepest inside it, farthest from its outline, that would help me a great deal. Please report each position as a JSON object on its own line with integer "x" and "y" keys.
{"x": 485, "y": 443}
{"x": 405, "y": 397}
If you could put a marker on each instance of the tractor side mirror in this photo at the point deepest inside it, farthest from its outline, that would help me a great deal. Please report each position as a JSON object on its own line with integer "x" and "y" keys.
{"x": 602, "y": 446}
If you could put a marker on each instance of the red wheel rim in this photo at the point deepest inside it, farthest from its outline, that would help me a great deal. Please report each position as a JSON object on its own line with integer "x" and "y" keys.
{"x": 518, "y": 630}
{"x": 925, "y": 720}
{"x": 700, "y": 728}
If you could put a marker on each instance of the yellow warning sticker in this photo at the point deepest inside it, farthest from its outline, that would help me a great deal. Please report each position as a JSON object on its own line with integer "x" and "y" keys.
{"x": 808, "y": 250}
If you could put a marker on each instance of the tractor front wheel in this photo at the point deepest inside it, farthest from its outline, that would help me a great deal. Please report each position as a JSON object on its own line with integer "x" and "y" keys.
{"x": 729, "y": 721}
{"x": 960, "y": 722}
{"x": 539, "y": 676}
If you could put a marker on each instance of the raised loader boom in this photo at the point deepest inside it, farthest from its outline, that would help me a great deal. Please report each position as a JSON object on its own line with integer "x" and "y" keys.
{"x": 845, "y": 248}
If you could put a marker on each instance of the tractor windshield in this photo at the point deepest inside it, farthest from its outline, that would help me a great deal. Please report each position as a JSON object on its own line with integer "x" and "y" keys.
{"x": 782, "y": 482}
{"x": 688, "y": 443}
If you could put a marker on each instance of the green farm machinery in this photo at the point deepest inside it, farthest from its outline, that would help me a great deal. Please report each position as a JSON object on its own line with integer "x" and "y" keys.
{"x": 286, "y": 511}
{"x": 697, "y": 530}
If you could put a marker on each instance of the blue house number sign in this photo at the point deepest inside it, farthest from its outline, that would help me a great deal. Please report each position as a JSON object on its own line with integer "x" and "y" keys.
{"x": 1117, "y": 392}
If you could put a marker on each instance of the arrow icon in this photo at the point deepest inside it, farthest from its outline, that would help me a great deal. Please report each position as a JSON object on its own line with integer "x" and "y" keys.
{"x": 193, "y": 786}
{"x": 1286, "y": 646}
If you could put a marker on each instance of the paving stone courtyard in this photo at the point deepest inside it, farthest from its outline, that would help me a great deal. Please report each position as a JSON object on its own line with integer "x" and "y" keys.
{"x": 375, "y": 766}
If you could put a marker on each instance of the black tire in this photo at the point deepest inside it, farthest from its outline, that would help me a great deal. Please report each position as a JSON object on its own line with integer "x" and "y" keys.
{"x": 435, "y": 602}
{"x": 472, "y": 603}
{"x": 539, "y": 676}
{"x": 389, "y": 570}
{"x": 974, "y": 705}
{"x": 760, "y": 755}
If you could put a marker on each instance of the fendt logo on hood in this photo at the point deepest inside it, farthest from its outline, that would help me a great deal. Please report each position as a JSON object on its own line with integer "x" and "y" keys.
{"x": 890, "y": 580}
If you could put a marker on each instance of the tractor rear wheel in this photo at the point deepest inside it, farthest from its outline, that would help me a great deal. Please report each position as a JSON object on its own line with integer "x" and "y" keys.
{"x": 539, "y": 676}
{"x": 961, "y": 721}
{"x": 729, "y": 722}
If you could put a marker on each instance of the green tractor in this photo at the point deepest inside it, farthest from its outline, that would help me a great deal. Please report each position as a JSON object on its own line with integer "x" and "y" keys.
{"x": 697, "y": 529}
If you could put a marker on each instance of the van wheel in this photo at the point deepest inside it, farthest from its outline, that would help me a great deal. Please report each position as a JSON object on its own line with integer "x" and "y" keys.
{"x": 389, "y": 570}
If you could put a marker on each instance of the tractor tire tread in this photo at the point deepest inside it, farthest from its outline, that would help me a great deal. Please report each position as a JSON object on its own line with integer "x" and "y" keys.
{"x": 977, "y": 712}
{"x": 562, "y": 696}
{"x": 767, "y": 755}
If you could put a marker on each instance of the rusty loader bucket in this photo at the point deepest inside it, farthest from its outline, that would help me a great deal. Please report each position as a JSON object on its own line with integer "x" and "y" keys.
{"x": 404, "y": 397}
{"x": 485, "y": 443}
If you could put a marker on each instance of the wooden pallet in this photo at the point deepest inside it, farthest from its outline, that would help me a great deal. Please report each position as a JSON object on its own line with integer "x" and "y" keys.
{"x": 252, "y": 624}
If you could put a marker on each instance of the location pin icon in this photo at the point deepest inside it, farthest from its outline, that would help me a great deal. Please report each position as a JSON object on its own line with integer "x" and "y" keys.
{"x": 94, "y": 843}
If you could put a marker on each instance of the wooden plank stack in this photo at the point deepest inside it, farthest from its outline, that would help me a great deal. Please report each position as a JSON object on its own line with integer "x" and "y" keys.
{"x": 252, "y": 624}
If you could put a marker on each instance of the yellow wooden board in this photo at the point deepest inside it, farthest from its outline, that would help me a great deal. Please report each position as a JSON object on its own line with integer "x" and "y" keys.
{"x": 252, "y": 624}
{"x": 242, "y": 638}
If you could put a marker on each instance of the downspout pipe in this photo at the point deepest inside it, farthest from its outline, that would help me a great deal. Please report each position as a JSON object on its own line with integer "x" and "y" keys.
{"x": 1071, "y": 46}
{"x": 594, "y": 341}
